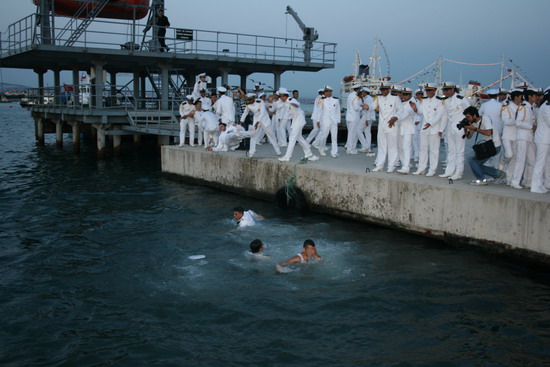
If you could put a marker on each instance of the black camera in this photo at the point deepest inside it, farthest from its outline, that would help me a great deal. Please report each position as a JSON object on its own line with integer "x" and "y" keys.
{"x": 462, "y": 123}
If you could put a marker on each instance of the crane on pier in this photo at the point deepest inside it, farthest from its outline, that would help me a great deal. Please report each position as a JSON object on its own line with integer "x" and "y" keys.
{"x": 310, "y": 35}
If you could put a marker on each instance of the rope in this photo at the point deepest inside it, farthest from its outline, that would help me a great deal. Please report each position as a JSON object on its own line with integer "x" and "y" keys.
{"x": 421, "y": 71}
{"x": 470, "y": 63}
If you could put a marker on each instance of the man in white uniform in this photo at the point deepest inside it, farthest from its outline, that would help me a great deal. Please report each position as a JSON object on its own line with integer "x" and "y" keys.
{"x": 260, "y": 122}
{"x": 225, "y": 108}
{"x": 407, "y": 129}
{"x": 492, "y": 109}
{"x": 187, "y": 121}
{"x": 315, "y": 116}
{"x": 208, "y": 122}
{"x": 368, "y": 116}
{"x": 542, "y": 143}
{"x": 298, "y": 122}
{"x": 419, "y": 97}
{"x": 330, "y": 117}
{"x": 353, "y": 115}
{"x": 200, "y": 84}
{"x": 282, "y": 117}
{"x": 525, "y": 152}
{"x": 245, "y": 218}
{"x": 454, "y": 106}
{"x": 230, "y": 138}
{"x": 432, "y": 111}
{"x": 389, "y": 108}
{"x": 508, "y": 116}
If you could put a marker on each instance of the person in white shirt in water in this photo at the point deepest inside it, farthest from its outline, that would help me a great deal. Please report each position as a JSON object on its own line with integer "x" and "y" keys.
{"x": 245, "y": 218}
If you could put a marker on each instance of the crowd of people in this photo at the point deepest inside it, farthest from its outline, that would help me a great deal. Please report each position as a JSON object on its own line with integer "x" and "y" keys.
{"x": 410, "y": 128}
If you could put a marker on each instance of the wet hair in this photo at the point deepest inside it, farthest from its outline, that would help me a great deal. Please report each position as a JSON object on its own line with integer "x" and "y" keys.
{"x": 255, "y": 246}
{"x": 239, "y": 209}
{"x": 472, "y": 111}
{"x": 309, "y": 242}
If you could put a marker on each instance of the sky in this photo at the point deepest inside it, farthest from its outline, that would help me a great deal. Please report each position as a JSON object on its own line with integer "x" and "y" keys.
{"x": 414, "y": 34}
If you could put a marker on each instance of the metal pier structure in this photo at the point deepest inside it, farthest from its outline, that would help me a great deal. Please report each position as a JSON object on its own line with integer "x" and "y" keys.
{"x": 100, "y": 52}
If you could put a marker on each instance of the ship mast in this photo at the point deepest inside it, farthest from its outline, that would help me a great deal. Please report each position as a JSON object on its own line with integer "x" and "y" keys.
{"x": 373, "y": 65}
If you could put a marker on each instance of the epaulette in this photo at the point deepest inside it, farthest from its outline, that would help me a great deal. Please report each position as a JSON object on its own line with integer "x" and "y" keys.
{"x": 258, "y": 100}
{"x": 459, "y": 96}
{"x": 441, "y": 98}
{"x": 335, "y": 97}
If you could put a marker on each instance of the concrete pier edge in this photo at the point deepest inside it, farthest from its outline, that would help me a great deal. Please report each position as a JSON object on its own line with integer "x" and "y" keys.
{"x": 508, "y": 225}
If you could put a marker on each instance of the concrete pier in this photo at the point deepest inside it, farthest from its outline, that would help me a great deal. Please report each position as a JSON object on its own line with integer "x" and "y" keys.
{"x": 496, "y": 217}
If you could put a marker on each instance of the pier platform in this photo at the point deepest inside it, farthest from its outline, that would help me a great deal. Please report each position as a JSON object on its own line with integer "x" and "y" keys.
{"x": 495, "y": 217}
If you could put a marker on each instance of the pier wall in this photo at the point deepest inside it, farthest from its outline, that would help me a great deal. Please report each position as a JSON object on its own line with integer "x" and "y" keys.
{"x": 477, "y": 216}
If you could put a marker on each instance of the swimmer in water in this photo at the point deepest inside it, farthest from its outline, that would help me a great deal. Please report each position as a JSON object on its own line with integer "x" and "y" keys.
{"x": 245, "y": 218}
{"x": 309, "y": 252}
{"x": 257, "y": 248}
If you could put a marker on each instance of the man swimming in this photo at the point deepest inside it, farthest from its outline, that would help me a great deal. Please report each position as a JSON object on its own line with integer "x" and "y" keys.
{"x": 309, "y": 253}
{"x": 256, "y": 250}
{"x": 245, "y": 218}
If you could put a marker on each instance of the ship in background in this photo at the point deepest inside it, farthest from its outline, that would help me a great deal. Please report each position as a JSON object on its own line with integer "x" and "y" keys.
{"x": 371, "y": 76}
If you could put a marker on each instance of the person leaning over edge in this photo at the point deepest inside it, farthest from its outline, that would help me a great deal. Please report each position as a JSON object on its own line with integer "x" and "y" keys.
{"x": 484, "y": 127}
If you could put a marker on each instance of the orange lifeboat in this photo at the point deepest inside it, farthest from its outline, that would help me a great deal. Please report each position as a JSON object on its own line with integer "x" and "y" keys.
{"x": 115, "y": 9}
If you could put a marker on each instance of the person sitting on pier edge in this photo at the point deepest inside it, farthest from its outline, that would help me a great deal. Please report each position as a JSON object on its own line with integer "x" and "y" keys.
{"x": 298, "y": 118}
{"x": 483, "y": 126}
{"x": 309, "y": 252}
{"x": 245, "y": 218}
{"x": 162, "y": 22}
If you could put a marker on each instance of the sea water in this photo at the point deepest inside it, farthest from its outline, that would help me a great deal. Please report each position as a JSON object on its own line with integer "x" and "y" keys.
{"x": 95, "y": 271}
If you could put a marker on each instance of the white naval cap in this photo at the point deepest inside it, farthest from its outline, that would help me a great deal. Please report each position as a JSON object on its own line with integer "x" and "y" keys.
{"x": 384, "y": 85}
{"x": 448, "y": 85}
{"x": 283, "y": 91}
{"x": 189, "y": 96}
{"x": 365, "y": 89}
{"x": 430, "y": 86}
{"x": 502, "y": 91}
{"x": 492, "y": 92}
{"x": 418, "y": 91}
{"x": 202, "y": 75}
{"x": 356, "y": 86}
{"x": 547, "y": 90}
{"x": 328, "y": 87}
{"x": 197, "y": 100}
{"x": 397, "y": 87}
{"x": 261, "y": 95}
{"x": 251, "y": 95}
{"x": 406, "y": 90}
{"x": 516, "y": 90}
{"x": 222, "y": 89}
{"x": 320, "y": 90}
{"x": 295, "y": 102}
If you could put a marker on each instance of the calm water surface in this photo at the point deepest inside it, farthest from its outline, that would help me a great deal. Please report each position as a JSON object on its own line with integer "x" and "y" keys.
{"x": 94, "y": 271}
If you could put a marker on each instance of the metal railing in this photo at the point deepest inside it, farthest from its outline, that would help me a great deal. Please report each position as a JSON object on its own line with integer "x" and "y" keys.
{"x": 107, "y": 34}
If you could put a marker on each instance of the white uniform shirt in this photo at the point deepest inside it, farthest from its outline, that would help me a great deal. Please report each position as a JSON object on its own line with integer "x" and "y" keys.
{"x": 207, "y": 120}
{"x": 354, "y": 107}
{"x": 508, "y": 117}
{"x": 259, "y": 111}
{"x": 316, "y": 114}
{"x": 330, "y": 111}
{"x": 406, "y": 121}
{"x": 282, "y": 110}
{"x": 185, "y": 108}
{"x": 486, "y": 124}
{"x": 197, "y": 88}
{"x": 542, "y": 135}
{"x": 388, "y": 107}
{"x": 432, "y": 111}
{"x": 206, "y": 104}
{"x": 225, "y": 108}
{"x": 525, "y": 120}
{"x": 455, "y": 107}
{"x": 492, "y": 109}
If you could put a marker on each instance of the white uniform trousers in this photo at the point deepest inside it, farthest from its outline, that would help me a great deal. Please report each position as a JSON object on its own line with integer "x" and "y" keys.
{"x": 540, "y": 180}
{"x": 429, "y": 148}
{"x": 351, "y": 142}
{"x": 281, "y": 132}
{"x": 529, "y": 164}
{"x": 313, "y": 133}
{"x": 364, "y": 134}
{"x": 296, "y": 136}
{"x": 455, "y": 154}
{"x": 416, "y": 141}
{"x": 406, "y": 141}
{"x": 389, "y": 149}
{"x": 185, "y": 124}
{"x": 509, "y": 158}
{"x": 211, "y": 137}
{"x": 257, "y": 134}
{"x": 381, "y": 147}
{"x": 524, "y": 153}
{"x": 400, "y": 152}
{"x": 321, "y": 141}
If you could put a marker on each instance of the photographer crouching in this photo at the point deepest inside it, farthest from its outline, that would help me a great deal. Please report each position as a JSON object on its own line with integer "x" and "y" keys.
{"x": 485, "y": 149}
